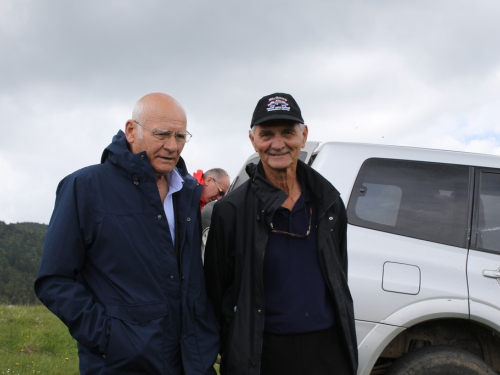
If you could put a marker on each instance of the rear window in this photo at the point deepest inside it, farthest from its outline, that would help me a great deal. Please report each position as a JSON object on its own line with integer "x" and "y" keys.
{"x": 428, "y": 201}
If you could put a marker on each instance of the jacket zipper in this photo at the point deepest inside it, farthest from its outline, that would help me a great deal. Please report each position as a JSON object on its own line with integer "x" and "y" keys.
{"x": 259, "y": 359}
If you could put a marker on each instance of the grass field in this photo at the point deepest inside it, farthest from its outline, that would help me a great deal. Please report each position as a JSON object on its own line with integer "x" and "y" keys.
{"x": 34, "y": 341}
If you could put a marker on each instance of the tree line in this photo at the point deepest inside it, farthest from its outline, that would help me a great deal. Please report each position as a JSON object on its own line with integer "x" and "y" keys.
{"x": 21, "y": 247}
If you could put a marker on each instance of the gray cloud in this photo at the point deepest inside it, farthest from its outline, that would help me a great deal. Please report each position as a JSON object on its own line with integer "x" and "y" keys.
{"x": 420, "y": 73}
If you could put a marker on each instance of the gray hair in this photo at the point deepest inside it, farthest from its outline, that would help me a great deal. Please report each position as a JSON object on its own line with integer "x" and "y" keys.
{"x": 302, "y": 127}
{"x": 216, "y": 173}
{"x": 137, "y": 114}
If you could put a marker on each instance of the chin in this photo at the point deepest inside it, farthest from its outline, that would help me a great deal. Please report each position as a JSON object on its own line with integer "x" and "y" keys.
{"x": 163, "y": 169}
{"x": 280, "y": 166}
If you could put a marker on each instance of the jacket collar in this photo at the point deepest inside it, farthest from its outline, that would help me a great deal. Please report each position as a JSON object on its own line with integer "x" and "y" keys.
{"x": 270, "y": 197}
{"x": 323, "y": 192}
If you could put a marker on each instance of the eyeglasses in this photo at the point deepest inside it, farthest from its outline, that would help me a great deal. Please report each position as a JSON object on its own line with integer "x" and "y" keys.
{"x": 163, "y": 135}
{"x": 221, "y": 192}
{"x": 277, "y": 231}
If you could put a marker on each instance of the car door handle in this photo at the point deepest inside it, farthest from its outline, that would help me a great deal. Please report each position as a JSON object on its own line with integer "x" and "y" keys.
{"x": 495, "y": 274}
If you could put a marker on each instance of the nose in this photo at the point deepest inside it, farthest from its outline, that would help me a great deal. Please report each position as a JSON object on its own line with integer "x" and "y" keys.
{"x": 278, "y": 142}
{"x": 171, "y": 144}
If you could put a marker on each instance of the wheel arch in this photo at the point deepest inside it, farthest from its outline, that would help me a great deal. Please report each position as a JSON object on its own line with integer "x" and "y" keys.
{"x": 465, "y": 334}
{"x": 433, "y": 322}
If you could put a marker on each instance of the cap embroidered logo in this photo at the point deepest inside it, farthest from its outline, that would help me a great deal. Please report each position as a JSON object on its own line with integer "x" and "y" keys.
{"x": 278, "y": 103}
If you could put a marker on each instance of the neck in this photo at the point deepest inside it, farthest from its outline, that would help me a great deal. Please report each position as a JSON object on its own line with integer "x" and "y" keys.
{"x": 287, "y": 181}
{"x": 161, "y": 182}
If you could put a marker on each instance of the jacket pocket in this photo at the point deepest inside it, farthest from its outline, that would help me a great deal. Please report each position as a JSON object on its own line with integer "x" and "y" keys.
{"x": 135, "y": 339}
{"x": 207, "y": 334}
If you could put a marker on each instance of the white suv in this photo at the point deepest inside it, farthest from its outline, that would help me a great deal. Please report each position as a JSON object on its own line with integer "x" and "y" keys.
{"x": 424, "y": 254}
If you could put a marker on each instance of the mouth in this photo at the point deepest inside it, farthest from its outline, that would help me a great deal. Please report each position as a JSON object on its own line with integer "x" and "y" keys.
{"x": 278, "y": 155}
{"x": 167, "y": 159}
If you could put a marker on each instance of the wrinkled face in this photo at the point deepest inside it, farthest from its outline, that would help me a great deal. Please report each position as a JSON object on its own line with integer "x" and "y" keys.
{"x": 160, "y": 112}
{"x": 211, "y": 191}
{"x": 278, "y": 144}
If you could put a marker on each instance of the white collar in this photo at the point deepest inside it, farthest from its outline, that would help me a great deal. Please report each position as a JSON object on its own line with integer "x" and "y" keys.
{"x": 175, "y": 181}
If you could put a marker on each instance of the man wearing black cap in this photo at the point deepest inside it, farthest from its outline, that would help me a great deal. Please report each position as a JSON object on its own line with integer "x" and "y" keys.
{"x": 276, "y": 259}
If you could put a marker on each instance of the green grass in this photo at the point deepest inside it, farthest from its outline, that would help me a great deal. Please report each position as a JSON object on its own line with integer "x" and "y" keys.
{"x": 34, "y": 341}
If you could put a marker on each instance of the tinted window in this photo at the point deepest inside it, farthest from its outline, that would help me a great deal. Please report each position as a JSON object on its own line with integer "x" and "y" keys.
{"x": 488, "y": 212}
{"x": 415, "y": 199}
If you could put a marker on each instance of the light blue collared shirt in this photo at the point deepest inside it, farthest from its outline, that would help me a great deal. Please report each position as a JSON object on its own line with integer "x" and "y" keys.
{"x": 175, "y": 183}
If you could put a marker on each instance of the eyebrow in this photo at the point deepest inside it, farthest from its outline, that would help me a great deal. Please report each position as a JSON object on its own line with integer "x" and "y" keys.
{"x": 266, "y": 132}
{"x": 287, "y": 130}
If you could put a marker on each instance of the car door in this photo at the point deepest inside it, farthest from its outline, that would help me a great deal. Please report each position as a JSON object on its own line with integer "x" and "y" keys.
{"x": 483, "y": 268}
{"x": 408, "y": 240}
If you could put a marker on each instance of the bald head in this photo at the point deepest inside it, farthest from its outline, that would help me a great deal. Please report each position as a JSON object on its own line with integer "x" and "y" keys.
{"x": 155, "y": 112}
{"x": 159, "y": 105}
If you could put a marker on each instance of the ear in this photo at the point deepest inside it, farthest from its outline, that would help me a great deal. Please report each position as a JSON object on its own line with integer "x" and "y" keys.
{"x": 130, "y": 133}
{"x": 207, "y": 180}
{"x": 304, "y": 135}
{"x": 252, "y": 139}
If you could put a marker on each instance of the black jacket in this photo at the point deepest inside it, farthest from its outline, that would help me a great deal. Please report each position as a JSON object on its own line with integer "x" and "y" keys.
{"x": 234, "y": 264}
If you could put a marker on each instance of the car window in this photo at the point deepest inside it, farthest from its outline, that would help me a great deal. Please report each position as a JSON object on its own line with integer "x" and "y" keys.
{"x": 422, "y": 200}
{"x": 488, "y": 212}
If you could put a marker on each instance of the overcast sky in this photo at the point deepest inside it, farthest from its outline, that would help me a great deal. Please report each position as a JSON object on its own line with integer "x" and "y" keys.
{"x": 418, "y": 73}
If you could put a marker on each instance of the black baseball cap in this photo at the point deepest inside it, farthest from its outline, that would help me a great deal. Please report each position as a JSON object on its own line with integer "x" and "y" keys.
{"x": 277, "y": 106}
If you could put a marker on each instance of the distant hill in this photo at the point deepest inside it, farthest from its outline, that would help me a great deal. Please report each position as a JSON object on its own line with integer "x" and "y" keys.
{"x": 21, "y": 247}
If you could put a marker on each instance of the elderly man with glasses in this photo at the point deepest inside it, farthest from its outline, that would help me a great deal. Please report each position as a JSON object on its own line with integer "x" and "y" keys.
{"x": 276, "y": 259}
{"x": 215, "y": 184}
{"x": 121, "y": 264}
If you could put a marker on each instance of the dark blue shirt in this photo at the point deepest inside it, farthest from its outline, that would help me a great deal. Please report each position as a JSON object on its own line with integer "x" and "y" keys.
{"x": 297, "y": 298}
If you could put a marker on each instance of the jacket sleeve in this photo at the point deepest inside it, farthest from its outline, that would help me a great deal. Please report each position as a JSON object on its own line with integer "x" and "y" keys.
{"x": 57, "y": 283}
{"x": 219, "y": 257}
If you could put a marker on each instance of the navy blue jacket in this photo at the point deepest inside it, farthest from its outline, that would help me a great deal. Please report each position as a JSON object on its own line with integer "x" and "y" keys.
{"x": 109, "y": 270}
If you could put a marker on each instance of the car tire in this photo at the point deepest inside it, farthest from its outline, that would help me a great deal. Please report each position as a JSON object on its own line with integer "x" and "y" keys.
{"x": 206, "y": 220}
{"x": 440, "y": 360}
